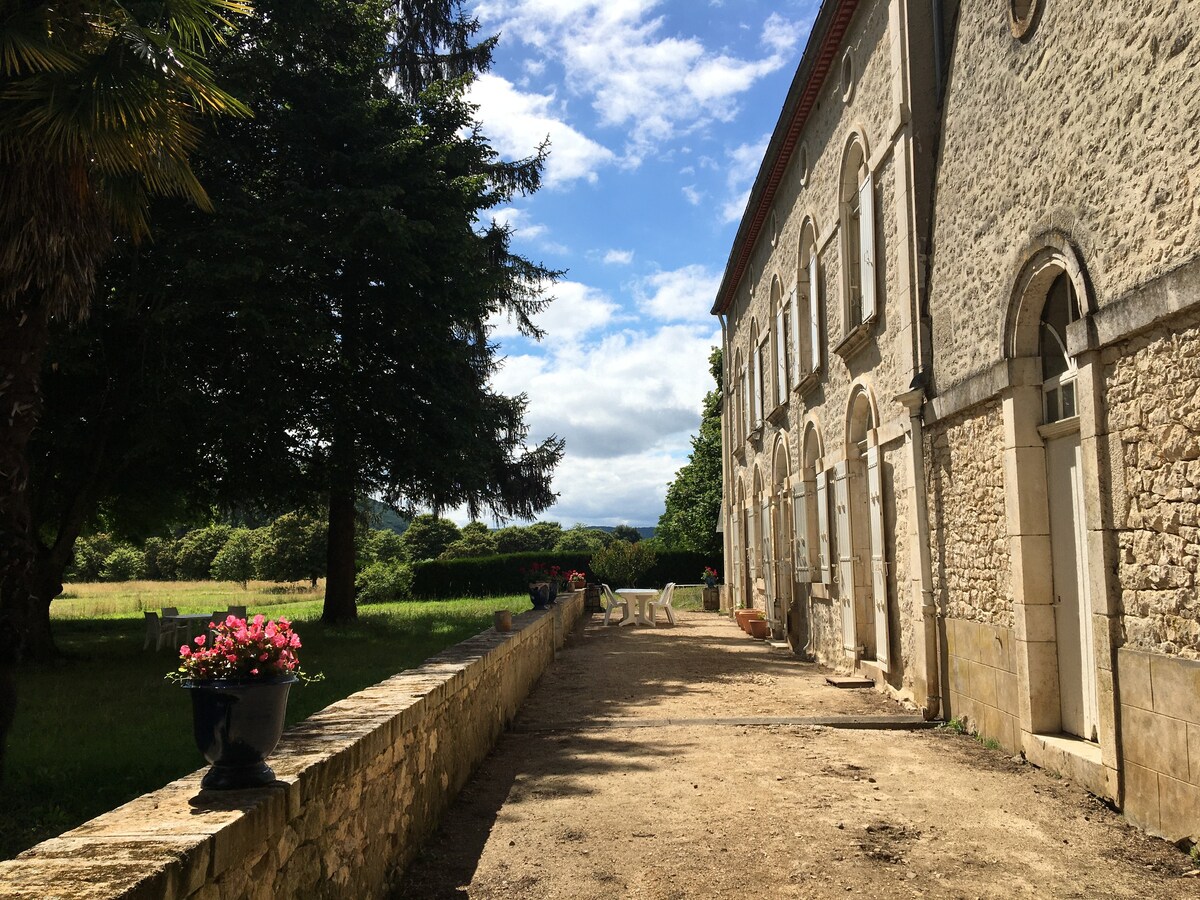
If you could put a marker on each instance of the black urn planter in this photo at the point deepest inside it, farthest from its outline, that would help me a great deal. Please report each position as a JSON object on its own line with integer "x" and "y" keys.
{"x": 237, "y": 724}
{"x": 540, "y": 595}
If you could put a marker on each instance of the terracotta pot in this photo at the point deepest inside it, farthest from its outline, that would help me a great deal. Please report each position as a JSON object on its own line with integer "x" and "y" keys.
{"x": 744, "y": 616}
{"x": 758, "y": 629}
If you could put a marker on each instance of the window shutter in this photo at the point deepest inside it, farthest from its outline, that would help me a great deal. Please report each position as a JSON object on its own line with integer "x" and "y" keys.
{"x": 758, "y": 386}
{"x": 878, "y": 556}
{"x": 746, "y": 427}
{"x": 796, "y": 363}
{"x": 845, "y": 555}
{"x": 814, "y": 312}
{"x": 824, "y": 558}
{"x": 752, "y": 541}
{"x": 800, "y": 530}
{"x": 866, "y": 245}
{"x": 768, "y": 564}
{"x": 781, "y": 375}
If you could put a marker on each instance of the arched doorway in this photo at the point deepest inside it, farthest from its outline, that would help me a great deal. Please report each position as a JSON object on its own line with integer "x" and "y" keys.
{"x": 862, "y": 556}
{"x": 783, "y": 570}
{"x": 1049, "y": 299}
{"x": 810, "y": 559}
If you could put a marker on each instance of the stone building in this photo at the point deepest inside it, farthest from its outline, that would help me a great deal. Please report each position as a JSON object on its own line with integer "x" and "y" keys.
{"x": 962, "y": 398}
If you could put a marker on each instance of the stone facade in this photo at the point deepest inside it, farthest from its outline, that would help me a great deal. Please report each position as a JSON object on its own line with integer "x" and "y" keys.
{"x": 1033, "y": 369}
{"x": 360, "y": 786}
{"x": 968, "y": 530}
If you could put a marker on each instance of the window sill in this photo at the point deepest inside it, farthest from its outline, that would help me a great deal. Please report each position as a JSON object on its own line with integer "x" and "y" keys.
{"x": 858, "y": 338}
{"x": 808, "y": 383}
{"x": 778, "y": 415}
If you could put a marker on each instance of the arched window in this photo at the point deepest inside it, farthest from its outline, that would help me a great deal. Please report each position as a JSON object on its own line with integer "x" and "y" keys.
{"x": 1058, "y": 369}
{"x": 738, "y": 403}
{"x": 857, "y": 239}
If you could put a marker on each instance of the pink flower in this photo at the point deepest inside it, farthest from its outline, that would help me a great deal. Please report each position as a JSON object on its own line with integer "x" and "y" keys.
{"x": 185, "y": 651}
{"x": 258, "y": 620}
{"x": 200, "y": 639}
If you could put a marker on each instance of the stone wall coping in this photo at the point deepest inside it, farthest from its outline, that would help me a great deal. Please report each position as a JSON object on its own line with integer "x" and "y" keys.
{"x": 170, "y": 842}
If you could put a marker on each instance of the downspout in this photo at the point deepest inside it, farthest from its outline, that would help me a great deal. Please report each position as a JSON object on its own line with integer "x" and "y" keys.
{"x": 939, "y": 47}
{"x": 726, "y": 468}
{"x": 932, "y": 618}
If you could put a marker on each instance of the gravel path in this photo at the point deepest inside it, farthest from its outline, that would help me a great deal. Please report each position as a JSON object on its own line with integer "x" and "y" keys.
{"x": 628, "y": 774}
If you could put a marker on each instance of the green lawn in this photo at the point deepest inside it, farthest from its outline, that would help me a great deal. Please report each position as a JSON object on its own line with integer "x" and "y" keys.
{"x": 102, "y": 726}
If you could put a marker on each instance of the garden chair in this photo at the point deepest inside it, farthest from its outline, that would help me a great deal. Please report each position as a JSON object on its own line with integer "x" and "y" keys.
{"x": 159, "y": 632}
{"x": 611, "y": 603}
{"x": 239, "y": 611}
{"x": 664, "y": 603}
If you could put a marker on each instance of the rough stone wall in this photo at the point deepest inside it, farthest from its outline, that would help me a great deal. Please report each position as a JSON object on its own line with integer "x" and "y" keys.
{"x": 1090, "y": 127}
{"x": 896, "y": 486}
{"x": 968, "y": 528}
{"x": 1153, "y": 388}
{"x": 360, "y": 785}
{"x": 886, "y": 360}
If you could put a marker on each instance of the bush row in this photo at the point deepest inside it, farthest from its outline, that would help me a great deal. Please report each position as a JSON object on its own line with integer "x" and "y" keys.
{"x": 437, "y": 579}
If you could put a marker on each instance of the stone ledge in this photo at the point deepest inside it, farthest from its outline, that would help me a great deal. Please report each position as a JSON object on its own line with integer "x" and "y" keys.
{"x": 360, "y": 784}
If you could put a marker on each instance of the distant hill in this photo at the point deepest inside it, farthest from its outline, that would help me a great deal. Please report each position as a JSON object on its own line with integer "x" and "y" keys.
{"x": 646, "y": 531}
{"x": 385, "y": 517}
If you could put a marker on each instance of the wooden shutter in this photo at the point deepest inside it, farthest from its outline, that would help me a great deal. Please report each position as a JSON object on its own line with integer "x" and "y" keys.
{"x": 800, "y": 530}
{"x": 866, "y": 245}
{"x": 878, "y": 556}
{"x": 814, "y": 312}
{"x": 845, "y": 548}
{"x": 781, "y": 374}
{"x": 824, "y": 558}
{"x": 746, "y": 427}
{"x": 757, "y": 388}
{"x": 794, "y": 337}
{"x": 752, "y": 541}
{"x": 768, "y": 565}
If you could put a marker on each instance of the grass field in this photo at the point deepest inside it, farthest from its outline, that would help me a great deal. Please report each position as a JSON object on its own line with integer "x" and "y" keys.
{"x": 101, "y": 726}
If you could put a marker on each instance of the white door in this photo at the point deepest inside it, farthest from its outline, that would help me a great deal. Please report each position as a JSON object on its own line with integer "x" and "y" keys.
{"x": 1072, "y": 609}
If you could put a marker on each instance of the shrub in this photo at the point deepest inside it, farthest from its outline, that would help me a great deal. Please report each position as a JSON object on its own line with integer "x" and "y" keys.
{"x": 89, "y": 556}
{"x": 581, "y": 539}
{"x": 198, "y": 549}
{"x": 125, "y": 563}
{"x": 383, "y": 546}
{"x": 427, "y": 537}
{"x": 159, "y": 554}
{"x": 622, "y": 563}
{"x": 540, "y": 536}
{"x": 291, "y": 548}
{"x": 235, "y": 561}
{"x": 384, "y": 582}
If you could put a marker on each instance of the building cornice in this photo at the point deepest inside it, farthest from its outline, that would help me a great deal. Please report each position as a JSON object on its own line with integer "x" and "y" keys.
{"x": 820, "y": 54}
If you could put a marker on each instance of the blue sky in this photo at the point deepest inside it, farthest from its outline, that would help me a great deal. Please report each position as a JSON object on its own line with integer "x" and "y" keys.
{"x": 658, "y": 113}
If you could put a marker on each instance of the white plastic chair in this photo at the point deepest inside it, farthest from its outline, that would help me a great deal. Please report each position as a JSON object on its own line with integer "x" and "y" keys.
{"x": 664, "y": 603}
{"x": 611, "y": 603}
{"x": 159, "y": 632}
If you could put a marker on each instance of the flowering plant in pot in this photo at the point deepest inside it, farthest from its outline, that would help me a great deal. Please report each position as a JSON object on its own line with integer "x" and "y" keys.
{"x": 709, "y": 576}
{"x": 576, "y": 579}
{"x": 239, "y": 679}
{"x": 543, "y": 583}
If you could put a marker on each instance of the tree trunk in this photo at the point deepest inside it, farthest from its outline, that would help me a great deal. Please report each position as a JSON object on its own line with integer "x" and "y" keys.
{"x": 339, "y": 578}
{"x": 24, "y": 332}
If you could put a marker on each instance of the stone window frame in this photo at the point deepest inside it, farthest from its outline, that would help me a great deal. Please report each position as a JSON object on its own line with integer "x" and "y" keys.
{"x": 782, "y": 540}
{"x": 847, "y": 76}
{"x": 802, "y": 164}
{"x": 1023, "y": 16}
{"x": 756, "y": 365}
{"x": 811, "y": 529}
{"x": 858, "y": 245}
{"x": 1027, "y": 511}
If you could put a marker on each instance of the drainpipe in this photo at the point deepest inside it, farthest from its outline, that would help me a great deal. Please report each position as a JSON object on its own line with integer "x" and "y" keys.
{"x": 939, "y": 47}
{"x": 726, "y": 467}
{"x": 932, "y": 618}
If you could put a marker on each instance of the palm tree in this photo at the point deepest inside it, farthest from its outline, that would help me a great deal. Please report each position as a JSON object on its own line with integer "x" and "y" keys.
{"x": 99, "y": 103}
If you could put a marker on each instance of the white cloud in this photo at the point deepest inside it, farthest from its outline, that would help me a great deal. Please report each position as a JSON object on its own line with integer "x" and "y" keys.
{"x": 744, "y": 162}
{"x": 576, "y": 310}
{"x": 684, "y": 294}
{"x": 516, "y": 122}
{"x": 693, "y": 196}
{"x": 618, "y": 257}
{"x": 518, "y": 221}
{"x": 653, "y": 84}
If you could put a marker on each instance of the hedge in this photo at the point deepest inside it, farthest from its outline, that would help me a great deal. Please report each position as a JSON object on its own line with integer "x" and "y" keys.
{"x": 436, "y": 579}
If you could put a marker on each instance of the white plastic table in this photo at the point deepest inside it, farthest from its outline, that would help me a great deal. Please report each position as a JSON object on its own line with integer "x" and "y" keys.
{"x": 642, "y": 596}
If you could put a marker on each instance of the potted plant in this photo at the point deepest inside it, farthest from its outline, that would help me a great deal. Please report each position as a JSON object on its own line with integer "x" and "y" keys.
{"x": 239, "y": 679}
{"x": 709, "y": 576}
{"x": 577, "y": 580}
{"x": 712, "y": 598}
{"x": 543, "y": 583}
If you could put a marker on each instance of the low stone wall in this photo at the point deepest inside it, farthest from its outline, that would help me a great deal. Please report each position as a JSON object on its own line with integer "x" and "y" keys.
{"x": 361, "y": 785}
